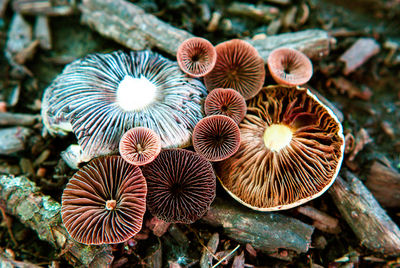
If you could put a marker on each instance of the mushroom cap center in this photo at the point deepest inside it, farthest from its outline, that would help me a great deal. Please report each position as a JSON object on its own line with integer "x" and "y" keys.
{"x": 111, "y": 204}
{"x": 135, "y": 93}
{"x": 277, "y": 137}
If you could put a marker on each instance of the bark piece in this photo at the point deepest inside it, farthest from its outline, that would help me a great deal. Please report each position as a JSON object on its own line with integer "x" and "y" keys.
{"x": 207, "y": 256}
{"x": 42, "y": 214}
{"x": 3, "y": 7}
{"x": 322, "y": 221}
{"x": 45, "y": 7}
{"x": 384, "y": 183}
{"x": 261, "y": 12}
{"x": 373, "y": 227}
{"x": 264, "y": 231}
{"x": 42, "y": 32}
{"x": 12, "y": 140}
{"x": 129, "y": 25}
{"x": 314, "y": 43}
{"x": 358, "y": 53}
{"x": 13, "y": 119}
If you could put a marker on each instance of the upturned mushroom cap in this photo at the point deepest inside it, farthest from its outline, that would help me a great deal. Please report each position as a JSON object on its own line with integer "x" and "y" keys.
{"x": 291, "y": 151}
{"x": 139, "y": 146}
{"x": 104, "y": 202}
{"x": 216, "y": 137}
{"x": 102, "y": 96}
{"x": 290, "y": 67}
{"x": 226, "y": 101}
{"x": 238, "y": 66}
{"x": 196, "y": 56}
{"x": 181, "y": 185}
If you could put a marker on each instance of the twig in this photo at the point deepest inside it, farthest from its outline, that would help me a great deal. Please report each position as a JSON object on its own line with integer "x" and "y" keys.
{"x": 226, "y": 256}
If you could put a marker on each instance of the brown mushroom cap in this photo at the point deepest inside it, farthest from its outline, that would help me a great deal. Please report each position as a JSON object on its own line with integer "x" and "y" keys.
{"x": 139, "y": 146}
{"x": 226, "y": 101}
{"x": 181, "y": 185}
{"x": 196, "y": 56}
{"x": 238, "y": 66}
{"x": 289, "y": 67}
{"x": 216, "y": 137}
{"x": 104, "y": 202}
{"x": 291, "y": 150}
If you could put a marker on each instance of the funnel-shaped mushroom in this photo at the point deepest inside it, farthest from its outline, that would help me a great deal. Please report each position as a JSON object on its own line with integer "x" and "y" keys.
{"x": 102, "y": 96}
{"x": 291, "y": 150}
{"x": 238, "y": 66}
{"x": 181, "y": 185}
{"x": 104, "y": 202}
{"x": 196, "y": 56}
{"x": 290, "y": 67}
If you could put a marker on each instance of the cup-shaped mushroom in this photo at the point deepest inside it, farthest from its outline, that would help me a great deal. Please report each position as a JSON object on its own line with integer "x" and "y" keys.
{"x": 290, "y": 67}
{"x": 139, "y": 146}
{"x": 181, "y": 185}
{"x": 104, "y": 202}
{"x": 238, "y": 66}
{"x": 216, "y": 137}
{"x": 101, "y": 96}
{"x": 291, "y": 150}
{"x": 226, "y": 101}
{"x": 196, "y": 56}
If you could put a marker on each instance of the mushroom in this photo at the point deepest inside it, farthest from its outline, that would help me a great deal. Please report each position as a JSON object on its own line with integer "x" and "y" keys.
{"x": 196, "y": 56}
{"x": 216, "y": 137}
{"x": 102, "y": 96}
{"x": 139, "y": 146}
{"x": 290, "y": 67}
{"x": 181, "y": 185}
{"x": 238, "y": 66}
{"x": 104, "y": 202}
{"x": 226, "y": 101}
{"x": 291, "y": 150}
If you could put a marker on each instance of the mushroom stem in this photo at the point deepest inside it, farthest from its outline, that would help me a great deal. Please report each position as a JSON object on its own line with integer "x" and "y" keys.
{"x": 111, "y": 204}
{"x": 277, "y": 137}
{"x": 139, "y": 148}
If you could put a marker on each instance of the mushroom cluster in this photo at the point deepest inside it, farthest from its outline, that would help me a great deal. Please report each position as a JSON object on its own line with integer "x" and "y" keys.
{"x": 281, "y": 149}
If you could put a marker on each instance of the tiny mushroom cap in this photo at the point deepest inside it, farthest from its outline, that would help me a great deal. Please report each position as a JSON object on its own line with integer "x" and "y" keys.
{"x": 139, "y": 146}
{"x": 102, "y": 96}
{"x": 238, "y": 66}
{"x": 290, "y": 67}
{"x": 216, "y": 137}
{"x": 104, "y": 202}
{"x": 196, "y": 56}
{"x": 181, "y": 185}
{"x": 226, "y": 101}
{"x": 291, "y": 150}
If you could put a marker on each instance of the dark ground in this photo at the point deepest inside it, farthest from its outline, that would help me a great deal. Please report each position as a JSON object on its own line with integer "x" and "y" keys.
{"x": 373, "y": 104}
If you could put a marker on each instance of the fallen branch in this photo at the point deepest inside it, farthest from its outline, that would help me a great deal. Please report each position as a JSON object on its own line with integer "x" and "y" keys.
{"x": 264, "y": 231}
{"x": 367, "y": 219}
{"x": 42, "y": 214}
{"x": 132, "y": 27}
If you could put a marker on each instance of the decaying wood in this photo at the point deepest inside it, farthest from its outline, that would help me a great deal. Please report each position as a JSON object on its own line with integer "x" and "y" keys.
{"x": 7, "y": 261}
{"x": 45, "y": 7}
{"x": 42, "y": 32}
{"x": 314, "y": 43}
{"x": 14, "y": 119}
{"x": 208, "y": 252}
{"x": 384, "y": 183}
{"x": 130, "y": 26}
{"x": 373, "y": 227}
{"x": 358, "y": 53}
{"x": 261, "y": 12}
{"x": 13, "y": 140}
{"x": 3, "y": 7}
{"x": 322, "y": 221}
{"x": 42, "y": 214}
{"x": 264, "y": 231}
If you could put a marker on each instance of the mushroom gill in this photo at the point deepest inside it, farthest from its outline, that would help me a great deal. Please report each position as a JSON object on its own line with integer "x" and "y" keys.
{"x": 291, "y": 150}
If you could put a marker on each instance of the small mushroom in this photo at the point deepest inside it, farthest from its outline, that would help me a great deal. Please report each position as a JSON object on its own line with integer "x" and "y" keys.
{"x": 196, "y": 56}
{"x": 102, "y": 96}
{"x": 291, "y": 150}
{"x": 181, "y": 185}
{"x": 290, "y": 67}
{"x": 238, "y": 66}
{"x": 216, "y": 137}
{"x": 104, "y": 202}
{"x": 226, "y": 101}
{"x": 139, "y": 146}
